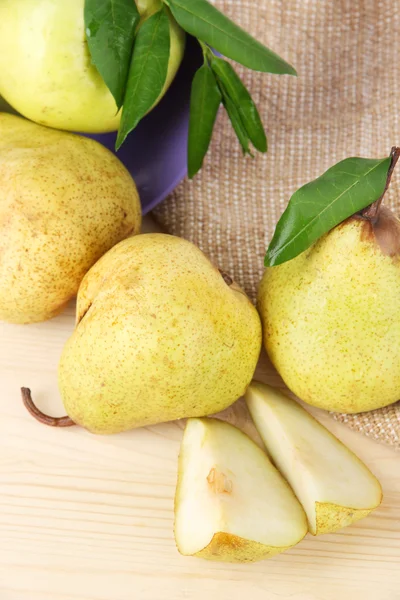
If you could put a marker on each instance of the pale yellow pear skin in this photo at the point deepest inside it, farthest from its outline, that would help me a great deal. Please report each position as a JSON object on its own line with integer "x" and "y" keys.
{"x": 46, "y": 72}
{"x": 64, "y": 201}
{"x": 333, "y": 485}
{"x": 231, "y": 504}
{"x": 331, "y": 319}
{"x": 160, "y": 335}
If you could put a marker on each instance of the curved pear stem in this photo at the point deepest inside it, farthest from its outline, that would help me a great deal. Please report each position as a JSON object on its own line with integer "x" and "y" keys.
{"x": 372, "y": 212}
{"x": 39, "y": 415}
{"x": 227, "y": 278}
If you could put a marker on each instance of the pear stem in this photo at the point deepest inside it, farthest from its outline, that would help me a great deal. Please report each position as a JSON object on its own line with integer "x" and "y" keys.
{"x": 39, "y": 415}
{"x": 372, "y": 211}
{"x": 228, "y": 280}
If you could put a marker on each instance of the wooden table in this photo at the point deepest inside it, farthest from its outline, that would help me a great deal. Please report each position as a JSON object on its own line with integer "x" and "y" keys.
{"x": 90, "y": 518}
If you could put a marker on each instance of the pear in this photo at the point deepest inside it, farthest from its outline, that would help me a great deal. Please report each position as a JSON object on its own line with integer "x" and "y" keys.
{"x": 333, "y": 485}
{"x": 64, "y": 201}
{"x": 331, "y": 316}
{"x": 161, "y": 334}
{"x": 55, "y": 83}
{"x": 231, "y": 503}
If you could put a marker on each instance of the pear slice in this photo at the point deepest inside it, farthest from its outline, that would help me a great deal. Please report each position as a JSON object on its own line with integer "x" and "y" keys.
{"x": 333, "y": 484}
{"x": 231, "y": 504}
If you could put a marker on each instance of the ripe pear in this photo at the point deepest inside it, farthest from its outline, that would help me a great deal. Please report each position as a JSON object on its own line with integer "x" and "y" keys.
{"x": 231, "y": 503}
{"x": 161, "y": 334}
{"x": 331, "y": 316}
{"x": 45, "y": 66}
{"x": 64, "y": 201}
{"x": 333, "y": 485}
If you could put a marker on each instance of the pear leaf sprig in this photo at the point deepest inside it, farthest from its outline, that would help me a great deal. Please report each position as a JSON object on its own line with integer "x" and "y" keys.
{"x": 132, "y": 56}
{"x": 344, "y": 190}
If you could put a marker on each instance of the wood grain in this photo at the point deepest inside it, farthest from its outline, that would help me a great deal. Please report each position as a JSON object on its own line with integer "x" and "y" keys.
{"x": 91, "y": 518}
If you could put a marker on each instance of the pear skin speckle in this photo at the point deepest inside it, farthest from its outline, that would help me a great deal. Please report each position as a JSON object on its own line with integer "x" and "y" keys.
{"x": 65, "y": 201}
{"x": 331, "y": 517}
{"x": 331, "y": 321}
{"x": 159, "y": 336}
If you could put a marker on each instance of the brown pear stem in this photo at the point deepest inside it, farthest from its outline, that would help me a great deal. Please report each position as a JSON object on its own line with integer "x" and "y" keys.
{"x": 41, "y": 417}
{"x": 372, "y": 211}
{"x": 227, "y": 278}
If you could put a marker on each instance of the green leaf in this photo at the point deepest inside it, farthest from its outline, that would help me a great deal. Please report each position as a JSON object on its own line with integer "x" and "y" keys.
{"x": 236, "y": 121}
{"x": 148, "y": 72}
{"x": 240, "y": 96}
{"x": 204, "y": 103}
{"x": 110, "y": 30}
{"x": 208, "y": 24}
{"x": 317, "y": 207}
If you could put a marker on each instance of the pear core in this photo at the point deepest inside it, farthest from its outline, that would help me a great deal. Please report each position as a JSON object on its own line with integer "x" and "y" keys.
{"x": 231, "y": 503}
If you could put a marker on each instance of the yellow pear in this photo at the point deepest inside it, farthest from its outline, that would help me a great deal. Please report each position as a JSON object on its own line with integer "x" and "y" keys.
{"x": 160, "y": 335}
{"x": 45, "y": 66}
{"x": 231, "y": 503}
{"x": 333, "y": 485}
{"x": 331, "y": 316}
{"x": 64, "y": 201}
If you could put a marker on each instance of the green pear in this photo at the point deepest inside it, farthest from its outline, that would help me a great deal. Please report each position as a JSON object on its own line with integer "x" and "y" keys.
{"x": 333, "y": 484}
{"x": 64, "y": 201}
{"x": 161, "y": 334}
{"x": 231, "y": 503}
{"x": 45, "y": 66}
{"x": 331, "y": 316}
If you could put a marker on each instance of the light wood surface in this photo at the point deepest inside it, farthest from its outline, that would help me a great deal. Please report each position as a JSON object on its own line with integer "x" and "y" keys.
{"x": 91, "y": 518}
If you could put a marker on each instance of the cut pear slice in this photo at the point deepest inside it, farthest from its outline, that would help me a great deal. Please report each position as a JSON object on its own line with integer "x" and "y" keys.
{"x": 231, "y": 503}
{"x": 333, "y": 485}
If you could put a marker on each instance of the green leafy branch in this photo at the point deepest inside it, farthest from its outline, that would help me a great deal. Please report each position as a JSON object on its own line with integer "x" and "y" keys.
{"x": 132, "y": 56}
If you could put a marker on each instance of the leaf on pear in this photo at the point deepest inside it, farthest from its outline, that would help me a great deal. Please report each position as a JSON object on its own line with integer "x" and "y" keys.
{"x": 240, "y": 96}
{"x": 204, "y": 103}
{"x": 236, "y": 121}
{"x": 202, "y": 20}
{"x": 110, "y": 30}
{"x": 317, "y": 207}
{"x": 148, "y": 72}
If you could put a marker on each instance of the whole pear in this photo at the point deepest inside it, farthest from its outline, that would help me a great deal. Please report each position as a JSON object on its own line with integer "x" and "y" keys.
{"x": 331, "y": 316}
{"x": 45, "y": 66}
{"x": 160, "y": 335}
{"x": 64, "y": 201}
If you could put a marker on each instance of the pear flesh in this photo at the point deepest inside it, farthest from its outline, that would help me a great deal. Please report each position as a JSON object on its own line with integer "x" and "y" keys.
{"x": 160, "y": 335}
{"x": 55, "y": 82}
{"x": 65, "y": 201}
{"x": 333, "y": 484}
{"x": 331, "y": 317}
{"x": 231, "y": 503}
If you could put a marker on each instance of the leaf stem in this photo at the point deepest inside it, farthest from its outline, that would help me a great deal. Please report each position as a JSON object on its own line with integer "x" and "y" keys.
{"x": 207, "y": 52}
{"x": 371, "y": 213}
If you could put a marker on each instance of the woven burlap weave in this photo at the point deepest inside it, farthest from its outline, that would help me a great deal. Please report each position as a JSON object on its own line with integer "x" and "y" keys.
{"x": 345, "y": 102}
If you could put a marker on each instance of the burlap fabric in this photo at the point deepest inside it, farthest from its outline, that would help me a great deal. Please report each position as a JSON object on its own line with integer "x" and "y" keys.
{"x": 345, "y": 102}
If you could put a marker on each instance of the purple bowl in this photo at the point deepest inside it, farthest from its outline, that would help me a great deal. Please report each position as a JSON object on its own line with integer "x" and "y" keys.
{"x": 155, "y": 153}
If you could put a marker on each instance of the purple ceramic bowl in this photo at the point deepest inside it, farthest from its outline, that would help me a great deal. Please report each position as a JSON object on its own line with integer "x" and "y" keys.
{"x": 155, "y": 153}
